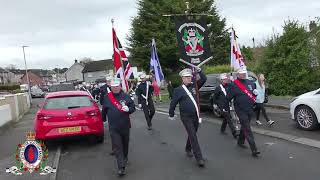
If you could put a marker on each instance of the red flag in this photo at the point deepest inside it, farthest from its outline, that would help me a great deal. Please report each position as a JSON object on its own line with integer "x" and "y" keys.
{"x": 117, "y": 61}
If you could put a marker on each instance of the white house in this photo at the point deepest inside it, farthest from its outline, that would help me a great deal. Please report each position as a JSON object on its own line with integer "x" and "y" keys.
{"x": 74, "y": 73}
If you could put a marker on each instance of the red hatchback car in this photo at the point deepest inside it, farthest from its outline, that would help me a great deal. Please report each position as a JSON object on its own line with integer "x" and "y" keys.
{"x": 68, "y": 113}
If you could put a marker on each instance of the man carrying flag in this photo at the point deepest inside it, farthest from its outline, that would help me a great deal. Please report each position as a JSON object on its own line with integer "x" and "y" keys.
{"x": 119, "y": 106}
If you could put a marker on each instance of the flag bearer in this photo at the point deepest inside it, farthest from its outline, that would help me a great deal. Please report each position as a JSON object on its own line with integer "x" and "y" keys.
{"x": 118, "y": 107}
{"x": 244, "y": 94}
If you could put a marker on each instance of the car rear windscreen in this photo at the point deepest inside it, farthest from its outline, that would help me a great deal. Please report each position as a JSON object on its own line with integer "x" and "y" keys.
{"x": 70, "y": 102}
{"x": 212, "y": 81}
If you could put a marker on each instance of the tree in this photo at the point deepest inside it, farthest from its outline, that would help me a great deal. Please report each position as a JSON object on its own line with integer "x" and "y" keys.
{"x": 85, "y": 60}
{"x": 286, "y": 62}
{"x": 149, "y": 23}
{"x": 11, "y": 67}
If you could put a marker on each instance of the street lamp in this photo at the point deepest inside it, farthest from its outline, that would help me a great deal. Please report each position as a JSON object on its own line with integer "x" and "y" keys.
{"x": 25, "y": 63}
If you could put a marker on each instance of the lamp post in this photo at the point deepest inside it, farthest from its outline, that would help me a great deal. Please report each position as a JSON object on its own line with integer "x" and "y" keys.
{"x": 25, "y": 63}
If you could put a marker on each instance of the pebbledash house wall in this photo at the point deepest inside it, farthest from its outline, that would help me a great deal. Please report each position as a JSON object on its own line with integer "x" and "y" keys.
{"x": 13, "y": 107}
{"x": 74, "y": 73}
{"x": 91, "y": 77}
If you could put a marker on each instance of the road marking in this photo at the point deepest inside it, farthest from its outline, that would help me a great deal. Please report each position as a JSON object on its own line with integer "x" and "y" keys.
{"x": 299, "y": 140}
{"x": 56, "y": 163}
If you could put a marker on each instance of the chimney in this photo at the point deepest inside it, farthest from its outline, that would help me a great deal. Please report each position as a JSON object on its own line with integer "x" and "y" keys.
{"x": 312, "y": 26}
{"x": 75, "y": 61}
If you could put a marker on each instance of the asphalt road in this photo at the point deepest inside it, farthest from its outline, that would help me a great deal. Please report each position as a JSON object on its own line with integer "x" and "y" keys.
{"x": 159, "y": 154}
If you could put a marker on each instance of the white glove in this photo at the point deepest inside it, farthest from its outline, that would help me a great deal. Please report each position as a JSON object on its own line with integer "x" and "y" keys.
{"x": 224, "y": 110}
{"x": 215, "y": 106}
{"x": 172, "y": 118}
{"x": 198, "y": 69}
{"x": 140, "y": 105}
{"x": 125, "y": 108}
{"x": 255, "y": 92}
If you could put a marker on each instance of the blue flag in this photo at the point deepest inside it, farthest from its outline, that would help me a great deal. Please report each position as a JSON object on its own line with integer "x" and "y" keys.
{"x": 155, "y": 64}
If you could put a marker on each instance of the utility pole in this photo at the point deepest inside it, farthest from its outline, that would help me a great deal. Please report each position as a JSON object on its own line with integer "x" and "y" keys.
{"x": 25, "y": 63}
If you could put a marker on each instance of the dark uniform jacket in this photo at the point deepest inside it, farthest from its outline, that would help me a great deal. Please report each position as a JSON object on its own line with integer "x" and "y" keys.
{"x": 242, "y": 101}
{"x": 142, "y": 89}
{"x": 219, "y": 98}
{"x": 180, "y": 96}
{"x": 118, "y": 119}
{"x": 103, "y": 92}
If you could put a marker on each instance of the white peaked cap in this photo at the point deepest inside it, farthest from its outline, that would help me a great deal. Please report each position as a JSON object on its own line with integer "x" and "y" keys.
{"x": 242, "y": 70}
{"x": 143, "y": 76}
{"x": 223, "y": 76}
{"x": 115, "y": 82}
{"x": 186, "y": 72}
{"x": 108, "y": 78}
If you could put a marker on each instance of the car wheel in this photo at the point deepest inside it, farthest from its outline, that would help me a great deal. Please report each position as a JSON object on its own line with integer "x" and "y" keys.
{"x": 216, "y": 111}
{"x": 306, "y": 118}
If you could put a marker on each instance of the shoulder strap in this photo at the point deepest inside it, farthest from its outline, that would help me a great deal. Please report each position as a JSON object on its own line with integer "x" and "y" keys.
{"x": 193, "y": 100}
{"x": 114, "y": 101}
{"x": 223, "y": 90}
{"x": 245, "y": 90}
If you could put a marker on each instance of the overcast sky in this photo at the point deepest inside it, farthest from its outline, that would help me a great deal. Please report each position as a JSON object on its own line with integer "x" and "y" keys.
{"x": 59, "y": 31}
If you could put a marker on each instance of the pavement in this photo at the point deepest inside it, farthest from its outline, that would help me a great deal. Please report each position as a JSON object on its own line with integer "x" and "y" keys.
{"x": 159, "y": 154}
{"x": 279, "y": 102}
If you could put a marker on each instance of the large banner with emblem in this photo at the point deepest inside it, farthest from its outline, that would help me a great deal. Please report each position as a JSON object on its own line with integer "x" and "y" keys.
{"x": 192, "y": 35}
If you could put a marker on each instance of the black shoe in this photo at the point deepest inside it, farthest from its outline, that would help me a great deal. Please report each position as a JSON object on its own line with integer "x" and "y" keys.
{"x": 121, "y": 172}
{"x": 255, "y": 153}
{"x": 201, "y": 163}
{"x": 150, "y": 128}
{"x": 242, "y": 146}
{"x": 189, "y": 154}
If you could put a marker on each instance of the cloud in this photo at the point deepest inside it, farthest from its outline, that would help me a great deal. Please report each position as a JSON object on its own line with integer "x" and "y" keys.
{"x": 61, "y": 30}
{"x": 260, "y": 18}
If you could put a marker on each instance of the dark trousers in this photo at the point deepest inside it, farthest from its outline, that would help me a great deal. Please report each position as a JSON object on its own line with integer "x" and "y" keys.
{"x": 260, "y": 107}
{"x": 191, "y": 124}
{"x": 104, "y": 119}
{"x": 148, "y": 111}
{"x": 120, "y": 140}
{"x": 245, "y": 131}
{"x": 227, "y": 121}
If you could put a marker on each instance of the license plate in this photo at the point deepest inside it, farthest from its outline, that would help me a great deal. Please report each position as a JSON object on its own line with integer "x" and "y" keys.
{"x": 70, "y": 129}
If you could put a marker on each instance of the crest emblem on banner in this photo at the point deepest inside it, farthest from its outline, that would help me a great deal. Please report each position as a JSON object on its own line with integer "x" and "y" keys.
{"x": 193, "y": 39}
{"x": 31, "y": 156}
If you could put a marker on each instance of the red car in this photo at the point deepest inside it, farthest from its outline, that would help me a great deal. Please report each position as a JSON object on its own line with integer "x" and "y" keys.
{"x": 68, "y": 113}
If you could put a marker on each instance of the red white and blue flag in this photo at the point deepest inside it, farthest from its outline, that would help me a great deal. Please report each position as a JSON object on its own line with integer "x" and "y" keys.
{"x": 117, "y": 56}
{"x": 155, "y": 64}
{"x": 237, "y": 60}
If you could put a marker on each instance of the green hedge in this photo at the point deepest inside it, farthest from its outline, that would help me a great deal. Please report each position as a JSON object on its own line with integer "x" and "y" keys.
{"x": 9, "y": 87}
{"x": 217, "y": 69}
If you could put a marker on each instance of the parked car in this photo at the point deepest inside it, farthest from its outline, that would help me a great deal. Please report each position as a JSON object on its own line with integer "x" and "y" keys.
{"x": 68, "y": 113}
{"x": 62, "y": 87}
{"x": 305, "y": 110}
{"x": 37, "y": 92}
{"x": 206, "y": 92}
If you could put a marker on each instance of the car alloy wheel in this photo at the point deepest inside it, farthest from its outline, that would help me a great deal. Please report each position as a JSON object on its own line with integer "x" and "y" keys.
{"x": 306, "y": 118}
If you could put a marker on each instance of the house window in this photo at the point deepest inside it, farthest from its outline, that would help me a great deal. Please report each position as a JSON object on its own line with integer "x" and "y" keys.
{"x": 90, "y": 75}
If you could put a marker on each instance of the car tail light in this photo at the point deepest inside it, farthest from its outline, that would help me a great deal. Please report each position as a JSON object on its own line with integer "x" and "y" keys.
{"x": 43, "y": 117}
{"x": 92, "y": 113}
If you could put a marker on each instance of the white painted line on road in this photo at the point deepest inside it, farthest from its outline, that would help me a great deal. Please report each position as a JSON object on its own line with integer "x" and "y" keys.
{"x": 279, "y": 135}
{"x": 56, "y": 163}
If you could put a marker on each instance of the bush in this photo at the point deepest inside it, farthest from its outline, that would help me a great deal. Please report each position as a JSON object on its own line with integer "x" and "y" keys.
{"x": 217, "y": 69}
{"x": 175, "y": 79}
{"x": 9, "y": 87}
